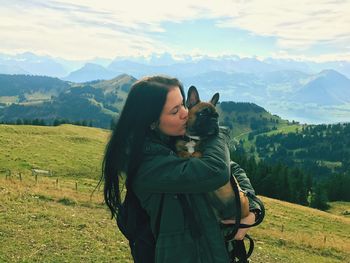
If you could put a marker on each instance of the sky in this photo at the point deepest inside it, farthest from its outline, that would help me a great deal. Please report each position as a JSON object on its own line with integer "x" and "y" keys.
{"x": 317, "y": 30}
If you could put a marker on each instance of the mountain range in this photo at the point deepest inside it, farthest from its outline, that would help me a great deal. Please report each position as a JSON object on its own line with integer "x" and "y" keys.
{"x": 97, "y": 103}
{"x": 307, "y": 92}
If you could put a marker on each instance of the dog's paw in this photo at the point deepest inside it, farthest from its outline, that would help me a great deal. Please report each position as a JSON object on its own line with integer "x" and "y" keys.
{"x": 197, "y": 154}
{"x": 184, "y": 154}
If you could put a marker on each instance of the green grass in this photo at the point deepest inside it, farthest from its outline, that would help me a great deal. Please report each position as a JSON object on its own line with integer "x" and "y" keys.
{"x": 340, "y": 208}
{"x": 57, "y": 220}
{"x": 66, "y": 150}
{"x": 293, "y": 233}
{"x": 42, "y": 223}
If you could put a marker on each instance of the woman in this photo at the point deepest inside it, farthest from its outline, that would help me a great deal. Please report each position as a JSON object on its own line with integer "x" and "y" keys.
{"x": 142, "y": 147}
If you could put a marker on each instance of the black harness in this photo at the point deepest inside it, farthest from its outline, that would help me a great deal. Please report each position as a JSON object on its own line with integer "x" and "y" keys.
{"x": 236, "y": 248}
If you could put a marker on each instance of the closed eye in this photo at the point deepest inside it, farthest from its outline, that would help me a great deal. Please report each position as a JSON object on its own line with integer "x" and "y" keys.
{"x": 176, "y": 109}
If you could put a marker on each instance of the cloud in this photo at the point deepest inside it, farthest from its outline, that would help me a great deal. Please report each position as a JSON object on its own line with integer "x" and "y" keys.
{"x": 297, "y": 24}
{"x": 108, "y": 28}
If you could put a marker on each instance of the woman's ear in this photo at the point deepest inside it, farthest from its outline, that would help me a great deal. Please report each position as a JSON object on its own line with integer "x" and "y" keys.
{"x": 154, "y": 125}
{"x": 192, "y": 97}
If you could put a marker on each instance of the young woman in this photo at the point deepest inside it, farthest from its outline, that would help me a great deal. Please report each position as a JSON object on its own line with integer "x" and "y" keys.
{"x": 142, "y": 147}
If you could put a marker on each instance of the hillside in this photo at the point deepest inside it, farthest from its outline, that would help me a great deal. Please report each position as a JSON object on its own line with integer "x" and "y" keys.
{"x": 66, "y": 150}
{"x": 329, "y": 87}
{"x": 42, "y": 222}
{"x": 21, "y": 86}
{"x": 243, "y": 118}
{"x": 98, "y": 102}
{"x": 310, "y": 146}
{"x": 32, "y": 97}
{"x": 55, "y": 219}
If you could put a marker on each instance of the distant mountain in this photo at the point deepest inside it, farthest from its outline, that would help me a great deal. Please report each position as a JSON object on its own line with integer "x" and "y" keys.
{"x": 12, "y": 69}
{"x": 35, "y": 97}
{"x": 326, "y": 88}
{"x": 292, "y": 89}
{"x": 133, "y": 68}
{"x": 90, "y": 72}
{"x": 181, "y": 66}
{"x": 20, "y": 85}
{"x": 98, "y": 102}
{"x": 283, "y": 76}
{"x": 31, "y": 64}
{"x": 289, "y": 65}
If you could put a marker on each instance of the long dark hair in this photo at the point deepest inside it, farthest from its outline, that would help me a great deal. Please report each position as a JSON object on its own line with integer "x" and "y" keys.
{"x": 124, "y": 151}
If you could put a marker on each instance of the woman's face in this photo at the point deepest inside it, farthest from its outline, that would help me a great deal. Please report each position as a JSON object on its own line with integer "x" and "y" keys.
{"x": 173, "y": 118}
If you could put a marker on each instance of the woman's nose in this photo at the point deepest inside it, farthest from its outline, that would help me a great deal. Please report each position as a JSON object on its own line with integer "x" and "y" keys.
{"x": 184, "y": 113}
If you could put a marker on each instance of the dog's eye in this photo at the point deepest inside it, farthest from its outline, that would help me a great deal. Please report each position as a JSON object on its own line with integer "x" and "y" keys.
{"x": 203, "y": 112}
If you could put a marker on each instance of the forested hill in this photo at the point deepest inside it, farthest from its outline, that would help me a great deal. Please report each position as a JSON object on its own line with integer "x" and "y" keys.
{"x": 244, "y": 117}
{"x": 44, "y": 100}
{"x": 313, "y": 161}
{"x": 323, "y": 149}
{"x": 19, "y": 85}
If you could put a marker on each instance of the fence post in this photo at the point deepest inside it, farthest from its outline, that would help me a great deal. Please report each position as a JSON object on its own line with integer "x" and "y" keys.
{"x": 8, "y": 173}
{"x": 20, "y": 176}
{"x": 36, "y": 178}
{"x": 76, "y": 186}
{"x": 57, "y": 183}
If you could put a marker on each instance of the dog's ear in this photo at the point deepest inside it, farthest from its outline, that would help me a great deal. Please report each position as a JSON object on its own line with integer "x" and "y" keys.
{"x": 215, "y": 99}
{"x": 192, "y": 97}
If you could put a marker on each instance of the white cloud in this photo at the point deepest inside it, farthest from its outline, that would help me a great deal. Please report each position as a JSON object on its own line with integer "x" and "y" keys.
{"x": 108, "y": 28}
{"x": 297, "y": 24}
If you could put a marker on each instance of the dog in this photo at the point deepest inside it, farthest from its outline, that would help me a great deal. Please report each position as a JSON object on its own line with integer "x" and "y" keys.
{"x": 202, "y": 123}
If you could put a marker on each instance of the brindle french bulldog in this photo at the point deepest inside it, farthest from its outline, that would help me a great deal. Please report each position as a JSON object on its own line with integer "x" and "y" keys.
{"x": 202, "y": 123}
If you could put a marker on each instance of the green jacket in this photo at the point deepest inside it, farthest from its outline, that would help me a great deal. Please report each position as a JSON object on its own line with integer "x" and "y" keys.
{"x": 162, "y": 172}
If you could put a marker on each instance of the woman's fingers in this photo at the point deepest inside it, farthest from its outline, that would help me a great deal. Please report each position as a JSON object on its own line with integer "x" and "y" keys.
{"x": 228, "y": 221}
{"x": 249, "y": 220}
{"x": 241, "y": 233}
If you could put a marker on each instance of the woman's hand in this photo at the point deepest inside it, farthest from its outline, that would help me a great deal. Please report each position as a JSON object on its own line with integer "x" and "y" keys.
{"x": 249, "y": 220}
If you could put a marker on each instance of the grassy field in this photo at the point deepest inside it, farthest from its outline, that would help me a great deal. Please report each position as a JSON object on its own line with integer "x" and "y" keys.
{"x": 66, "y": 150}
{"x": 43, "y": 222}
{"x": 53, "y": 221}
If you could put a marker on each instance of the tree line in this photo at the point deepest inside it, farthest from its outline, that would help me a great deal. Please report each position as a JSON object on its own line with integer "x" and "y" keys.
{"x": 290, "y": 184}
{"x": 322, "y": 149}
{"x": 45, "y": 122}
{"x": 308, "y": 167}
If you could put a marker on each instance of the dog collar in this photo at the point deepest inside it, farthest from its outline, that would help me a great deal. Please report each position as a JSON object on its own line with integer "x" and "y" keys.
{"x": 195, "y": 138}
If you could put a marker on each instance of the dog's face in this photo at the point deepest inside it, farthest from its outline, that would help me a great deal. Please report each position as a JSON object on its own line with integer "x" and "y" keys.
{"x": 202, "y": 116}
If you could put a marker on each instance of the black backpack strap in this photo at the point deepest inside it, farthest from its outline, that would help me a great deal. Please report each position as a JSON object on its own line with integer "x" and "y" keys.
{"x": 239, "y": 253}
{"x": 261, "y": 214}
{"x": 158, "y": 219}
{"x": 238, "y": 210}
{"x": 187, "y": 211}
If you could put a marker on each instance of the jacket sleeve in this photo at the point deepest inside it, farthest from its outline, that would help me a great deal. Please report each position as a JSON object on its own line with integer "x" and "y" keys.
{"x": 244, "y": 183}
{"x": 171, "y": 174}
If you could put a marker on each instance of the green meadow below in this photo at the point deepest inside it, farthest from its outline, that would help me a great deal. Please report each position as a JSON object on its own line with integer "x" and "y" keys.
{"x": 58, "y": 219}
{"x": 66, "y": 150}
